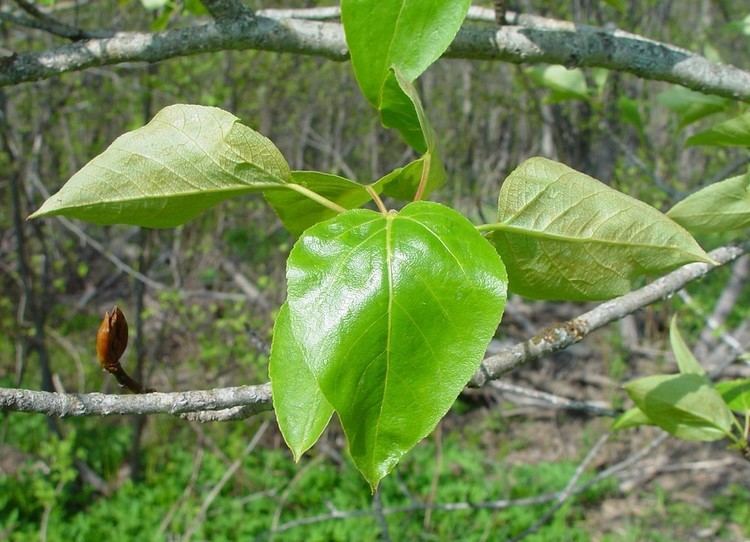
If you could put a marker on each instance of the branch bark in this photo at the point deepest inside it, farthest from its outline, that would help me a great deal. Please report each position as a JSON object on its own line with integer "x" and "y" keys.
{"x": 530, "y": 40}
{"x": 243, "y": 401}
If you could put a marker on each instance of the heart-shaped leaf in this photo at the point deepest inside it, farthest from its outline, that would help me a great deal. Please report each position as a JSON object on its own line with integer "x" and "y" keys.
{"x": 408, "y": 35}
{"x": 732, "y": 132}
{"x": 298, "y": 212}
{"x": 719, "y": 207}
{"x": 302, "y": 411}
{"x": 392, "y": 314}
{"x": 685, "y": 359}
{"x": 569, "y": 236}
{"x": 684, "y": 405}
{"x": 185, "y": 160}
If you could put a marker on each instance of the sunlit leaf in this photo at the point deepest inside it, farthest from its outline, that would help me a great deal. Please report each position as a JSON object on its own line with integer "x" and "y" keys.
{"x": 685, "y": 359}
{"x": 569, "y": 236}
{"x": 302, "y": 411}
{"x": 736, "y": 393}
{"x": 691, "y": 106}
{"x": 408, "y": 35}
{"x": 392, "y": 314}
{"x": 684, "y": 405}
{"x": 733, "y": 132}
{"x": 631, "y": 418}
{"x": 719, "y": 207}
{"x": 185, "y": 160}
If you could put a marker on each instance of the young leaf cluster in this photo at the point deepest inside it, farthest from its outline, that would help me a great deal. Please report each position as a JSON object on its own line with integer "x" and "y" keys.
{"x": 389, "y": 312}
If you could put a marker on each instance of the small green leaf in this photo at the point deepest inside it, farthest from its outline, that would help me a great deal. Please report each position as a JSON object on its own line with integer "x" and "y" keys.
{"x": 185, "y": 160}
{"x": 685, "y": 359}
{"x": 569, "y": 236}
{"x": 691, "y": 106}
{"x": 719, "y": 207}
{"x": 732, "y": 132}
{"x": 301, "y": 410}
{"x": 298, "y": 212}
{"x": 736, "y": 393}
{"x": 406, "y": 34}
{"x": 566, "y": 84}
{"x": 401, "y": 108}
{"x": 684, "y": 405}
{"x": 402, "y": 183}
{"x": 631, "y": 418}
{"x": 393, "y": 314}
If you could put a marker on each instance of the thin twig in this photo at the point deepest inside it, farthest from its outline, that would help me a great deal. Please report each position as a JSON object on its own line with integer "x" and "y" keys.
{"x": 566, "y": 493}
{"x": 258, "y": 398}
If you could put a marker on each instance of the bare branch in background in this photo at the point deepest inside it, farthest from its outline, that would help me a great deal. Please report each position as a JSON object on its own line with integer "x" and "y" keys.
{"x": 531, "y": 40}
{"x": 243, "y": 401}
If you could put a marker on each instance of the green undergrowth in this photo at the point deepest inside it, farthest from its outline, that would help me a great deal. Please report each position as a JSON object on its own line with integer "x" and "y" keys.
{"x": 270, "y": 490}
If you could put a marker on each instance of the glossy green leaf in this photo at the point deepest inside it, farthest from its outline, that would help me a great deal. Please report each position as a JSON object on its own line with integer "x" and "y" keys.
{"x": 569, "y": 236}
{"x": 185, "y": 160}
{"x": 393, "y": 314}
{"x": 302, "y": 411}
{"x": 401, "y": 108}
{"x": 690, "y": 106}
{"x": 685, "y": 359}
{"x": 684, "y": 405}
{"x": 298, "y": 212}
{"x": 406, "y": 34}
{"x": 736, "y": 393}
{"x": 732, "y": 132}
{"x": 719, "y": 207}
{"x": 631, "y": 418}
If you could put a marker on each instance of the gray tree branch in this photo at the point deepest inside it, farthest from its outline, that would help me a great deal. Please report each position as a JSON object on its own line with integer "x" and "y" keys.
{"x": 528, "y": 39}
{"x": 242, "y": 401}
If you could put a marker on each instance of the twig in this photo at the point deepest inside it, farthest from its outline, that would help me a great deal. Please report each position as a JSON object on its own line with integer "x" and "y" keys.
{"x": 538, "y": 40}
{"x": 566, "y": 493}
{"x": 561, "y": 336}
{"x": 555, "y": 401}
{"x": 258, "y": 398}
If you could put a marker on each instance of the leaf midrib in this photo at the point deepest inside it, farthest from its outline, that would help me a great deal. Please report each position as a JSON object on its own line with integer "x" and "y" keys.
{"x": 499, "y": 226}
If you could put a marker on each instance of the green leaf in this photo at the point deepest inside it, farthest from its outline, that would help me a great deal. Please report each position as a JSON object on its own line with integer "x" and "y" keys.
{"x": 302, "y": 411}
{"x": 631, "y": 418}
{"x": 689, "y": 105}
{"x": 566, "y": 84}
{"x": 685, "y": 359}
{"x": 732, "y": 132}
{"x": 185, "y": 160}
{"x": 298, "y": 212}
{"x": 393, "y": 314}
{"x": 406, "y": 34}
{"x": 402, "y": 183}
{"x": 401, "y": 108}
{"x": 736, "y": 393}
{"x": 719, "y": 207}
{"x": 684, "y": 405}
{"x": 569, "y": 236}
{"x": 629, "y": 112}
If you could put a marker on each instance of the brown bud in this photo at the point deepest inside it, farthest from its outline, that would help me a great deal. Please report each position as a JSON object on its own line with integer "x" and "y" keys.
{"x": 111, "y": 339}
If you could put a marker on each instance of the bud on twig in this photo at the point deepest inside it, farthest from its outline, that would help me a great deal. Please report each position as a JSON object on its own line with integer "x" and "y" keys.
{"x": 111, "y": 341}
